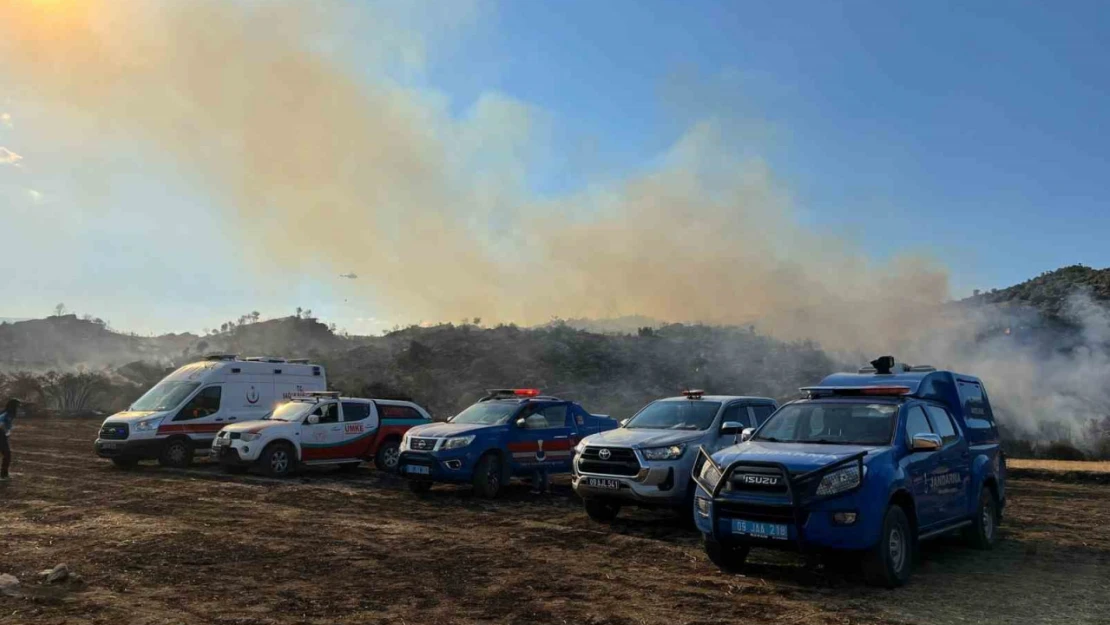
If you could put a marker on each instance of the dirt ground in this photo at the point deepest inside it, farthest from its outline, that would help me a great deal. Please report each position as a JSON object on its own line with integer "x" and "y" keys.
{"x": 156, "y": 546}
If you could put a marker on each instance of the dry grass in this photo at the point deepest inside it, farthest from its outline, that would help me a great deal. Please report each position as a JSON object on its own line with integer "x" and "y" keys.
{"x": 1058, "y": 465}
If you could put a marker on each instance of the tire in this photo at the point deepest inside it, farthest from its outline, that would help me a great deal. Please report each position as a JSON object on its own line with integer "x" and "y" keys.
{"x": 602, "y": 510}
{"x": 177, "y": 453}
{"x": 889, "y": 564}
{"x": 388, "y": 457}
{"x": 727, "y": 558}
{"x": 488, "y": 476}
{"x": 125, "y": 463}
{"x": 419, "y": 486}
{"x": 983, "y": 532}
{"x": 235, "y": 469}
{"x": 278, "y": 460}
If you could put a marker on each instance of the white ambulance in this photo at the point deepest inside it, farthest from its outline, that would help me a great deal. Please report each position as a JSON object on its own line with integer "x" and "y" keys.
{"x": 184, "y": 411}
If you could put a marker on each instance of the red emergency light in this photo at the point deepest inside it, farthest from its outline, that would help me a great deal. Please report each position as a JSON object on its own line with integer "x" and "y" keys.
{"x": 693, "y": 394}
{"x": 526, "y": 392}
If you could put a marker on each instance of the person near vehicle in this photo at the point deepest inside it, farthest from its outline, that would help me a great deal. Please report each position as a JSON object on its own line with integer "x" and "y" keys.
{"x": 7, "y": 421}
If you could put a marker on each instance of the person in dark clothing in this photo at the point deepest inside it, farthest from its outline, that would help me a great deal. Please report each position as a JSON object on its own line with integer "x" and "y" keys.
{"x": 7, "y": 422}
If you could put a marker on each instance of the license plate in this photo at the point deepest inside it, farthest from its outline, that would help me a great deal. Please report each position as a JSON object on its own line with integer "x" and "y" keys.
{"x": 596, "y": 482}
{"x": 109, "y": 445}
{"x": 417, "y": 469}
{"x": 760, "y": 530}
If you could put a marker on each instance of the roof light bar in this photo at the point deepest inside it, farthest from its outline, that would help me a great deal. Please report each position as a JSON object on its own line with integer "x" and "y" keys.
{"x": 886, "y": 391}
{"x": 693, "y": 394}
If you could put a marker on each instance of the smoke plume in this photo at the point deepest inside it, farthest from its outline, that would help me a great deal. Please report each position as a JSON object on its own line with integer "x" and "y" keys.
{"x": 316, "y": 160}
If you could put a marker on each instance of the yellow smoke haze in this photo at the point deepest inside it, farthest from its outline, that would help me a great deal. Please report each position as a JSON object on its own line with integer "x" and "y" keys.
{"x": 317, "y": 160}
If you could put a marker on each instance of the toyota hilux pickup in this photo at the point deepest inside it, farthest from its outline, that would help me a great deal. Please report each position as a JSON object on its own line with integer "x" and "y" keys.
{"x": 647, "y": 462}
{"x": 509, "y": 432}
{"x": 873, "y": 462}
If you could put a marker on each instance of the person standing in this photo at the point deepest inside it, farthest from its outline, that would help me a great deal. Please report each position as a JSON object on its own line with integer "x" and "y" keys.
{"x": 7, "y": 422}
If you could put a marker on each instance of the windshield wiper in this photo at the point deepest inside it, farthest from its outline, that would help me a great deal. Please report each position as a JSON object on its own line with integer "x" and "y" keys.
{"x": 771, "y": 439}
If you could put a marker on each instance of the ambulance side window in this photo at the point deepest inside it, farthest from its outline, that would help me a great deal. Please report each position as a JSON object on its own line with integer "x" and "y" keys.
{"x": 328, "y": 413}
{"x": 205, "y": 403}
{"x": 355, "y": 411}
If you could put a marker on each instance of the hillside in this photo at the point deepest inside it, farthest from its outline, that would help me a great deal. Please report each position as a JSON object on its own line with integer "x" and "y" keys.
{"x": 1043, "y": 362}
{"x": 1049, "y": 293}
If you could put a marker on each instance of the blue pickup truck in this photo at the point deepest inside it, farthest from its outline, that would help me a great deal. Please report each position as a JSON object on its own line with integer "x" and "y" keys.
{"x": 509, "y": 432}
{"x": 871, "y": 462}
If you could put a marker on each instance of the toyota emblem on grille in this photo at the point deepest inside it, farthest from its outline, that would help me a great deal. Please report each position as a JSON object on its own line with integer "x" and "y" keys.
{"x": 604, "y": 454}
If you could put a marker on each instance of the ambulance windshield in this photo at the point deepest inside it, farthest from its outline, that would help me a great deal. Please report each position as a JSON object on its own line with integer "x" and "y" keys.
{"x": 164, "y": 396}
{"x": 291, "y": 411}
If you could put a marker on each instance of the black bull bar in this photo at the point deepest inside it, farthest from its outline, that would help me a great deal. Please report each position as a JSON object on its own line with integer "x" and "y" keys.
{"x": 801, "y": 490}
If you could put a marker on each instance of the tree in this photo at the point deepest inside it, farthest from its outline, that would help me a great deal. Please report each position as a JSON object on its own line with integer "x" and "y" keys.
{"x": 74, "y": 392}
{"x": 59, "y": 310}
{"x": 299, "y": 309}
{"x": 308, "y": 313}
{"x": 255, "y": 315}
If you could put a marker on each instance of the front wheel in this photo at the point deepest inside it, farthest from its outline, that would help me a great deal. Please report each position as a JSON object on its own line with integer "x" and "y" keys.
{"x": 177, "y": 453}
{"x": 278, "y": 460}
{"x": 890, "y": 562}
{"x": 984, "y": 527}
{"x": 487, "y": 476}
{"x": 388, "y": 456}
{"x": 727, "y": 558}
{"x": 601, "y": 510}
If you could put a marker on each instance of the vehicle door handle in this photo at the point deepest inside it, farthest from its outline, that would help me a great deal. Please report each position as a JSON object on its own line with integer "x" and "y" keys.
{"x": 231, "y": 418}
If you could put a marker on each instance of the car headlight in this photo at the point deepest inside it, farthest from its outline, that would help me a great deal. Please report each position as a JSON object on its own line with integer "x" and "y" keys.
{"x": 672, "y": 452}
{"x": 405, "y": 442}
{"x": 148, "y": 425}
{"x": 248, "y": 437}
{"x": 457, "y": 442}
{"x": 839, "y": 481}
{"x": 710, "y": 474}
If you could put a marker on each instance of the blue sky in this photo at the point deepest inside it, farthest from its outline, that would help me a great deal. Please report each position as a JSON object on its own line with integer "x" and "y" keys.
{"x": 978, "y": 131}
{"x": 975, "y": 133}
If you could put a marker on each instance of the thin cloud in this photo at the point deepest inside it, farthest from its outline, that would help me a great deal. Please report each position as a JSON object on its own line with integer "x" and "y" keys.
{"x": 7, "y": 157}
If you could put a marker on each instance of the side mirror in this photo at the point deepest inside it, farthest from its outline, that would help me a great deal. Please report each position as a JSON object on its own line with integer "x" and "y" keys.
{"x": 747, "y": 434}
{"x": 731, "y": 427}
{"x": 313, "y": 419}
{"x": 926, "y": 442}
{"x": 520, "y": 422}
